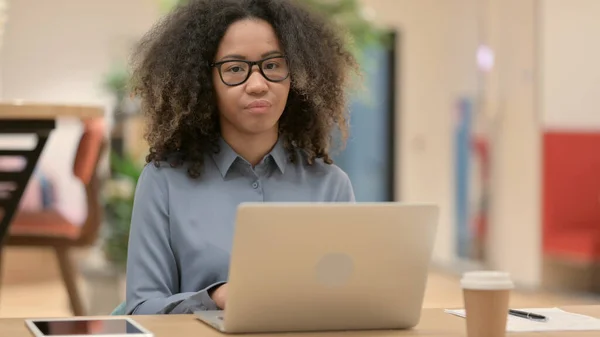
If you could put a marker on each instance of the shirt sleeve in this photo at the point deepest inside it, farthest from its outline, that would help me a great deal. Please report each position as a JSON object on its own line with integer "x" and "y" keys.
{"x": 152, "y": 281}
{"x": 345, "y": 191}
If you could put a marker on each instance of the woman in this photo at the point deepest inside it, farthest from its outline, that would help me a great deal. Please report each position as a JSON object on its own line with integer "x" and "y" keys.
{"x": 241, "y": 97}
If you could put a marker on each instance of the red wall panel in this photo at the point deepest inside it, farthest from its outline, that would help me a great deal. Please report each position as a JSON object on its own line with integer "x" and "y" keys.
{"x": 571, "y": 193}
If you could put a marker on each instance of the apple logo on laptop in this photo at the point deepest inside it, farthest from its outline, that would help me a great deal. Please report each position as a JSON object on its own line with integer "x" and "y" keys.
{"x": 334, "y": 269}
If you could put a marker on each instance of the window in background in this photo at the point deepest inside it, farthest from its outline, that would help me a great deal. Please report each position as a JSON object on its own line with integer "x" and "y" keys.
{"x": 369, "y": 156}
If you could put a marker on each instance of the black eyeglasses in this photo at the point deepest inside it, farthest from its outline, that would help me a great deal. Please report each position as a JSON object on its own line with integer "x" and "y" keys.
{"x": 236, "y": 72}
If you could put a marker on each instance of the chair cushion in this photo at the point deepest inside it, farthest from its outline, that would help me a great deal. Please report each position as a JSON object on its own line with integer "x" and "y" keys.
{"x": 577, "y": 244}
{"x": 46, "y": 223}
{"x": 39, "y": 193}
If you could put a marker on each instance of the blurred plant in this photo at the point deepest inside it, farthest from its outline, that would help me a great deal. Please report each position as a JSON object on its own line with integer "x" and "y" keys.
{"x": 118, "y": 199}
{"x": 357, "y": 19}
{"x": 116, "y": 81}
{"x": 168, "y": 5}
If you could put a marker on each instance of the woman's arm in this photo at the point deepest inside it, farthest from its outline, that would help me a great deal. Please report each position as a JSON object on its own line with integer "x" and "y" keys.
{"x": 152, "y": 272}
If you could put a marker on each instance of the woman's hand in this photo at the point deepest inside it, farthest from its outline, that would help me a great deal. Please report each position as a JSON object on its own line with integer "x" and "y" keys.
{"x": 219, "y": 296}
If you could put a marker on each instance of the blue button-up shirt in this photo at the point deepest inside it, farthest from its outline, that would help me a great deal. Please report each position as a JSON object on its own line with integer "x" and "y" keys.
{"x": 182, "y": 228}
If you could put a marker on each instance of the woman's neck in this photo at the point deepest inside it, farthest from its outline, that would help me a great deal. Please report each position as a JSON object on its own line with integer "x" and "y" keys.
{"x": 251, "y": 147}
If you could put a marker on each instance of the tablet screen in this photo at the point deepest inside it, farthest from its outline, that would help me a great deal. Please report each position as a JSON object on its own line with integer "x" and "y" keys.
{"x": 87, "y": 327}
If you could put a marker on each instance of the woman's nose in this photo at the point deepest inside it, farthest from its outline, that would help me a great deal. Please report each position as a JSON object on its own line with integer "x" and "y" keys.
{"x": 256, "y": 83}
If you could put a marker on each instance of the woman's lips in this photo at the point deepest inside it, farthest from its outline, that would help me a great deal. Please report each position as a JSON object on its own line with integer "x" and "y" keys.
{"x": 258, "y": 106}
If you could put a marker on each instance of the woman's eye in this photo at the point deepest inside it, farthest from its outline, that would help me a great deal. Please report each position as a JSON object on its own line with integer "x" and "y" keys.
{"x": 236, "y": 69}
{"x": 271, "y": 66}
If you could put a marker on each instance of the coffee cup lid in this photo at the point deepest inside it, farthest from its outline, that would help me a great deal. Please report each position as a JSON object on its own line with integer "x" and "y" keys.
{"x": 486, "y": 280}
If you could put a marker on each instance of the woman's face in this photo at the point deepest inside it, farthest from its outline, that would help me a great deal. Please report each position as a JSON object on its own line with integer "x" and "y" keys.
{"x": 254, "y": 106}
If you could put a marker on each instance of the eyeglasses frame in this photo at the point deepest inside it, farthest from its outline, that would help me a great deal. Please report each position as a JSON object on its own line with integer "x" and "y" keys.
{"x": 251, "y": 64}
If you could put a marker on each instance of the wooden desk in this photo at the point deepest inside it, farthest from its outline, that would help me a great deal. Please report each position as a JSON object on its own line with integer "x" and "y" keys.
{"x": 34, "y": 119}
{"x": 40, "y": 111}
{"x": 434, "y": 322}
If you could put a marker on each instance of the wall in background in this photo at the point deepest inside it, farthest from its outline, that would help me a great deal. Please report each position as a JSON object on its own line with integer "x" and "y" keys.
{"x": 570, "y": 90}
{"x": 436, "y": 66}
{"x": 511, "y": 100}
{"x": 569, "y": 94}
{"x": 59, "y": 50}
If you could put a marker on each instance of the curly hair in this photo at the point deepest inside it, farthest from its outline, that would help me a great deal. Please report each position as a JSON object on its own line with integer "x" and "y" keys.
{"x": 172, "y": 77}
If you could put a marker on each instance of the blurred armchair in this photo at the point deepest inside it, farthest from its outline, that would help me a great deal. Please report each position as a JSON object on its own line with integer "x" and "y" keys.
{"x": 49, "y": 228}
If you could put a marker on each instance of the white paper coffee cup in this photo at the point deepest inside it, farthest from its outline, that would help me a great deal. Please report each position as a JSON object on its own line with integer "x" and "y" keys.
{"x": 486, "y": 298}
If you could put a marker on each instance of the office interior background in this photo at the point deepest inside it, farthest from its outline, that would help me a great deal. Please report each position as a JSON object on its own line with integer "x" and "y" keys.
{"x": 489, "y": 108}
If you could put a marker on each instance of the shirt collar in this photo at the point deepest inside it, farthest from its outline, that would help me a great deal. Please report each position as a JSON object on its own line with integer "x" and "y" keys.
{"x": 226, "y": 156}
{"x": 279, "y": 155}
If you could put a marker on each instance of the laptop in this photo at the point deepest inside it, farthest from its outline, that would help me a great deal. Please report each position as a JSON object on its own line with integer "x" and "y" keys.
{"x": 298, "y": 267}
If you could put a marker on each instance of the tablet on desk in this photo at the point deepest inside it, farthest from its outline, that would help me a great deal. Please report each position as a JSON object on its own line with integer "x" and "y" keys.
{"x": 85, "y": 326}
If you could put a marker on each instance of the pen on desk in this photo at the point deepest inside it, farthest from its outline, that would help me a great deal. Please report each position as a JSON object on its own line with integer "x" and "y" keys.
{"x": 527, "y": 315}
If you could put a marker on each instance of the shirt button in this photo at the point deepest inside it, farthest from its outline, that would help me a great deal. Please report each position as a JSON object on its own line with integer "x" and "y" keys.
{"x": 255, "y": 184}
